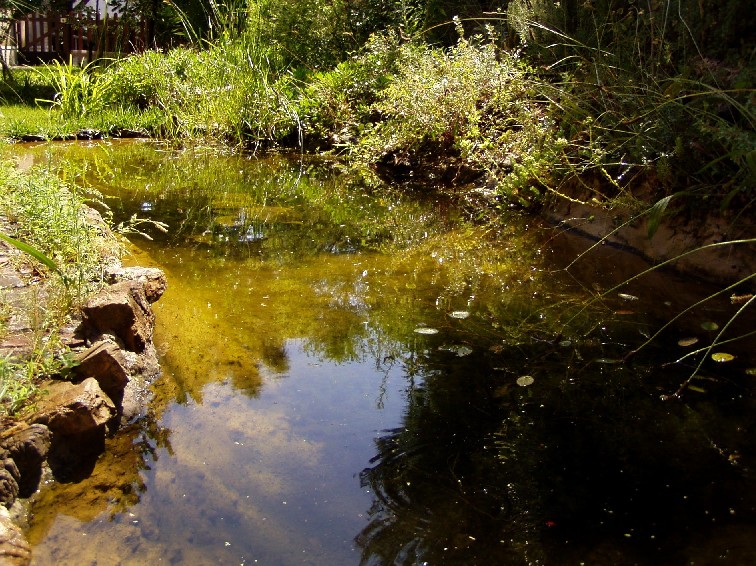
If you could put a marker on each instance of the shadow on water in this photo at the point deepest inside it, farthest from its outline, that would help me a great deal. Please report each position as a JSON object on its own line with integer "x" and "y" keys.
{"x": 359, "y": 377}
{"x": 585, "y": 465}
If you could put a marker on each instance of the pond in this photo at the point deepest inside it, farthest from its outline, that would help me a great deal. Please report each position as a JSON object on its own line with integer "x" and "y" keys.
{"x": 357, "y": 375}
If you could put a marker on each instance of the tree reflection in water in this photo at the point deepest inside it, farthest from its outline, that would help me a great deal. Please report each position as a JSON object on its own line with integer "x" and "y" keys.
{"x": 440, "y": 495}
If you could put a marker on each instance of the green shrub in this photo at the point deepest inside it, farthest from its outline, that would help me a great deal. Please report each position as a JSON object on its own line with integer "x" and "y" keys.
{"x": 335, "y": 106}
{"x": 472, "y": 106}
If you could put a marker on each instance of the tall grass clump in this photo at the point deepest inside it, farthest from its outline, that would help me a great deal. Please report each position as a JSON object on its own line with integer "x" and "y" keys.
{"x": 655, "y": 93}
{"x": 230, "y": 87}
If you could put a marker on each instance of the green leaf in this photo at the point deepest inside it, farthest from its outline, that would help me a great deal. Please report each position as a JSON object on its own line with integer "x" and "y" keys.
{"x": 656, "y": 213}
{"x": 36, "y": 254}
{"x": 750, "y": 159}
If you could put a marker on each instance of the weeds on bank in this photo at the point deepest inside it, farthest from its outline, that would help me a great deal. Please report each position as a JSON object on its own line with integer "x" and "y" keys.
{"x": 47, "y": 219}
{"x": 49, "y": 215}
{"x": 16, "y": 386}
{"x": 20, "y": 378}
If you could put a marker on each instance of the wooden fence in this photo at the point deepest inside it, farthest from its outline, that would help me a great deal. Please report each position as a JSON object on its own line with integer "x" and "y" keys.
{"x": 45, "y": 37}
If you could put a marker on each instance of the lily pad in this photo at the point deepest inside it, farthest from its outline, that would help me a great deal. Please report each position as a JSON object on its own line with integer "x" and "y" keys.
{"x": 525, "y": 380}
{"x": 710, "y": 326}
{"x": 426, "y": 330}
{"x": 459, "y": 314}
{"x": 722, "y": 357}
{"x": 459, "y": 349}
{"x": 685, "y": 342}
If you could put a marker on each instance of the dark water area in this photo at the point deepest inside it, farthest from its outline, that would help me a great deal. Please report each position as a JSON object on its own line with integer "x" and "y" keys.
{"x": 355, "y": 375}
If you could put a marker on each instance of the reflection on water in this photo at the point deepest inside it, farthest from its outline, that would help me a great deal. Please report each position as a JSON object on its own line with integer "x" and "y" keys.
{"x": 356, "y": 377}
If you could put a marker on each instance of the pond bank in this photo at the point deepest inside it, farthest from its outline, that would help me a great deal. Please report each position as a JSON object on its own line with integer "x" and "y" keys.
{"x": 676, "y": 236}
{"x": 113, "y": 363}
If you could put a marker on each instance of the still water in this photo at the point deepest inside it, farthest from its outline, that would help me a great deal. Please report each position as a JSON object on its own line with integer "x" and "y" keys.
{"x": 368, "y": 376}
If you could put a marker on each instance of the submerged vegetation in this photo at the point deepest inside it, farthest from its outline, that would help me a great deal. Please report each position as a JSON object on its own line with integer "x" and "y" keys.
{"x": 603, "y": 102}
{"x": 529, "y": 426}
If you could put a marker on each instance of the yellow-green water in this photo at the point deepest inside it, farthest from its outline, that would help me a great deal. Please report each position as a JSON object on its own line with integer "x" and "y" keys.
{"x": 307, "y": 415}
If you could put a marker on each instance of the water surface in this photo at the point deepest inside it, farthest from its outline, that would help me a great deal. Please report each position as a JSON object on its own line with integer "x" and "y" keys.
{"x": 365, "y": 375}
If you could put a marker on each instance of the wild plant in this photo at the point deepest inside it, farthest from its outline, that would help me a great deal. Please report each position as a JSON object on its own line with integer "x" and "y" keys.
{"x": 473, "y": 103}
{"x": 50, "y": 221}
{"x": 644, "y": 92}
{"x": 78, "y": 92}
{"x": 15, "y": 387}
{"x": 336, "y": 106}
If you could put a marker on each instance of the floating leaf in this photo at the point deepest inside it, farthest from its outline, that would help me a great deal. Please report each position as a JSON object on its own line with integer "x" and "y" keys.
{"x": 722, "y": 357}
{"x": 685, "y": 342}
{"x": 696, "y": 388}
{"x": 710, "y": 326}
{"x": 426, "y": 330}
{"x": 627, "y": 297}
{"x": 459, "y": 314}
{"x": 459, "y": 349}
{"x": 525, "y": 380}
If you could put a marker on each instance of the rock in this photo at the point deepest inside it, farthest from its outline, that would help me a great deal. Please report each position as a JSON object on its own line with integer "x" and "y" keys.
{"x": 76, "y": 409}
{"x": 126, "y": 133}
{"x": 9, "y": 478}
{"x": 123, "y": 311}
{"x": 28, "y": 447}
{"x": 153, "y": 279}
{"x": 675, "y": 236}
{"x": 88, "y": 134}
{"x": 105, "y": 362}
{"x": 14, "y": 549}
{"x": 10, "y": 280}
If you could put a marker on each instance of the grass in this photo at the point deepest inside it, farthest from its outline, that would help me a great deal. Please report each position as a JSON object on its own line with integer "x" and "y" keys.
{"x": 17, "y": 389}
{"x": 44, "y": 210}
